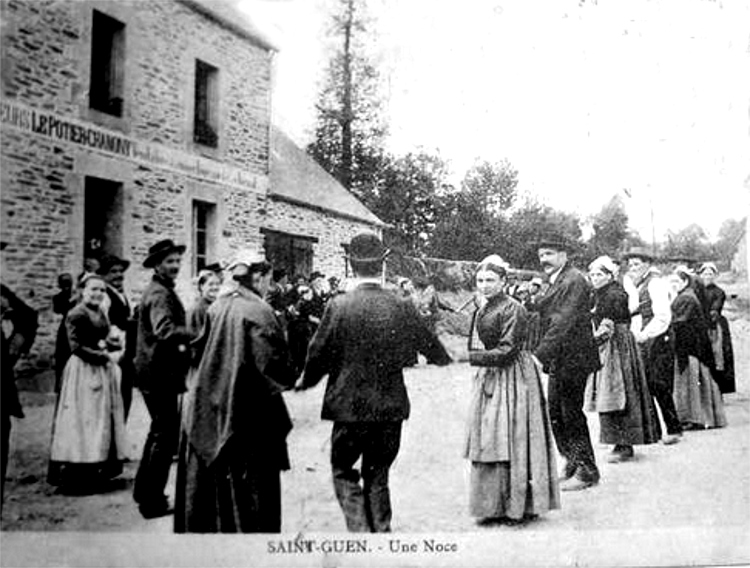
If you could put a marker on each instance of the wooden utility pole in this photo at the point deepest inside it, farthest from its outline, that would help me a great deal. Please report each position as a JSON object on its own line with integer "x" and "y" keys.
{"x": 347, "y": 112}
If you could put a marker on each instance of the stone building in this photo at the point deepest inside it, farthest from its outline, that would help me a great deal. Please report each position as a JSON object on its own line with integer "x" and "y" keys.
{"x": 311, "y": 217}
{"x": 123, "y": 123}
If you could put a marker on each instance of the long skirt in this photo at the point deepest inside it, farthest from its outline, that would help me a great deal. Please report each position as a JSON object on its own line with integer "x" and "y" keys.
{"x": 721, "y": 343}
{"x": 237, "y": 493}
{"x": 510, "y": 443}
{"x": 697, "y": 397}
{"x": 89, "y": 423}
{"x": 619, "y": 392}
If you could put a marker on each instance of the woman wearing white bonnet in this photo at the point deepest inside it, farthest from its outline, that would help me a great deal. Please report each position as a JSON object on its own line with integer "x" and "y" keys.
{"x": 509, "y": 441}
{"x": 618, "y": 391}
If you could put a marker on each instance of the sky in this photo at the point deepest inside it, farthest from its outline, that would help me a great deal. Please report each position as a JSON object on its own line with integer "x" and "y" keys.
{"x": 584, "y": 100}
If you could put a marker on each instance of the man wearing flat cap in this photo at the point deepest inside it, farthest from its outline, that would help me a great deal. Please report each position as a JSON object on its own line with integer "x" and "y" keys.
{"x": 366, "y": 338}
{"x": 161, "y": 363}
{"x": 568, "y": 354}
{"x": 235, "y": 422}
{"x": 112, "y": 268}
{"x": 650, "y": 326}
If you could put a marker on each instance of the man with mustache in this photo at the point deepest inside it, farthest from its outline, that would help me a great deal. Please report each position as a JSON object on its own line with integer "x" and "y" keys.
{"x": 161, "y": 363}
{"x": 568, "y": 354}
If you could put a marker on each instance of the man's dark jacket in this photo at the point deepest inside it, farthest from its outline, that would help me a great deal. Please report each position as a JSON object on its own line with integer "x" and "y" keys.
{"x": 364, "y": 341}
{"x": 25, "y": 325}
{"x": 162, "y": 356}
{"x": 567, "y": 343}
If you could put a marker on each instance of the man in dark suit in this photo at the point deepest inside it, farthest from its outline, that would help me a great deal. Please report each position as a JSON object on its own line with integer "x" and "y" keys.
{"x": 113, "y": 268}
{"x": 366, "y": 338}
{"x": 568, "y": 354}
{"x": 161, "y": 363}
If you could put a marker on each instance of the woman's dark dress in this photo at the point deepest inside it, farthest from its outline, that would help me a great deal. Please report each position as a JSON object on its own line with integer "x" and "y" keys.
{"x": 696, "y": 395}
{"x": 721, "y": 339}
{"x": 619, "y": 391}
{"x": 509, "y": 440}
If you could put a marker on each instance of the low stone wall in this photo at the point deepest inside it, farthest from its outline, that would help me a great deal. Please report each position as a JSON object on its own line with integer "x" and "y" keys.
{"x": 453, "y": 275}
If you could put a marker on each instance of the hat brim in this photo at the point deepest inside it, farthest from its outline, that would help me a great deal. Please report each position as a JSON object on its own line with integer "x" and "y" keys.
{"x": 644, "y": 256}
{"x": 154, "y": 259}
{"x": 366, "y": 259}
{"x": 550, "y": 244}
{"x": 120, "y": 262}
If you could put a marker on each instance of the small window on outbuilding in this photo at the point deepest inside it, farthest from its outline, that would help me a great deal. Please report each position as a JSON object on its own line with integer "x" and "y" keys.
{"x": 206, "y": 115}
{"x": 293, "y": 253}
{"x": 107, "y": 64}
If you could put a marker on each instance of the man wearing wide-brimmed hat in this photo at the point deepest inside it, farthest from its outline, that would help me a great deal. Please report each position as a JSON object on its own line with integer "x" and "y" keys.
{"x": 161, "y": 363}
{"x": 651, "y": 331}
{"x": 120, "y": 315}
{"x": 568, "y": 354}
{"x": 234, "y": 418}
{"x": 364, "y": 341}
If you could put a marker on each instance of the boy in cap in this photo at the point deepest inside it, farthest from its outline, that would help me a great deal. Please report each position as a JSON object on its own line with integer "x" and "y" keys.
{"x": 364, "y": 341}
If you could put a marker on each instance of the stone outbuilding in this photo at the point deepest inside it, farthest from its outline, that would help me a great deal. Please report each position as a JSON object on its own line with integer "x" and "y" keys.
{"x": 311, "y": 217}
{"x": 123, "y": 123}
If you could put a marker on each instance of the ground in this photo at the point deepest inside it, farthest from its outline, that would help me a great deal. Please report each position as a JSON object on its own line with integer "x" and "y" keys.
{"x": 702, "y": 483}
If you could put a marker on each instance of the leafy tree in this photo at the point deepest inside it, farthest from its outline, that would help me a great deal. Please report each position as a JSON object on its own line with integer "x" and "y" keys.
{"x": 530, "y": 221}
{"x": 405, "y": 195}
{"x": 690, "y": 242}
{"x": 491, "y": 186}
{"x": 726, "y": 243}
{"x": 610, "y": 226}
{"x": 349, "y": 128}
{"x": 471, "y": 221}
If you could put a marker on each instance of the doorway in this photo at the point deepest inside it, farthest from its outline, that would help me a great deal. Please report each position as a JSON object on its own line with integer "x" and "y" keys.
{"x": 103, "y": 217}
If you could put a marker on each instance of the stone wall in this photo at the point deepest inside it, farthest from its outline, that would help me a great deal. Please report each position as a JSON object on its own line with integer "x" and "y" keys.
{"x": 46, "y": 54}
{"x": 331, "y": 231}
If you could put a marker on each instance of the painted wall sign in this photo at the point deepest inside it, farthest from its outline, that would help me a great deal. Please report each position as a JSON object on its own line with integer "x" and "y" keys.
{"x": 56, "y": 127}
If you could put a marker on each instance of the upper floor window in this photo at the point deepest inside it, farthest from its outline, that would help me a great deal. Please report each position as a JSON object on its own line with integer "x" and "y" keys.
{"x": 107, "y": 64}
{"x": 205, "y": 117}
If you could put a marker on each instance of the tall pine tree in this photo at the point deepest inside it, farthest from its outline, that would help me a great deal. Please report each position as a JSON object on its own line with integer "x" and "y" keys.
{"x": 349, "y": 130}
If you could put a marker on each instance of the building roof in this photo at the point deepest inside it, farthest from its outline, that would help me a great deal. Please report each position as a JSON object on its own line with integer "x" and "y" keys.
{"x": 225, "y": 13}
{"x": 297, "y": 178}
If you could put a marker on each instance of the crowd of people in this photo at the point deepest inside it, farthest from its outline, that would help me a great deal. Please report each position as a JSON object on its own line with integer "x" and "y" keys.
{"x": 619, "y": 340}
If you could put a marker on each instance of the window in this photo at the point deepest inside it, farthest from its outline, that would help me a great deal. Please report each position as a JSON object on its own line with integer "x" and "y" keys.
{"x": 107, "y": 64}
{"x": 204, "y": 215}
{"x": 103, "y": 216}
{"x": 293, "y": 253}
{"x": 205, "y": 117}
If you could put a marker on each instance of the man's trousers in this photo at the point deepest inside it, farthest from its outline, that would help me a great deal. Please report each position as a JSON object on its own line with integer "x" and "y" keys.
{"x": 658, "y": 360}
{"x": 159, "y": 450}
{"x": 565, "y": 393}
{"x": 366, "y": 505}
